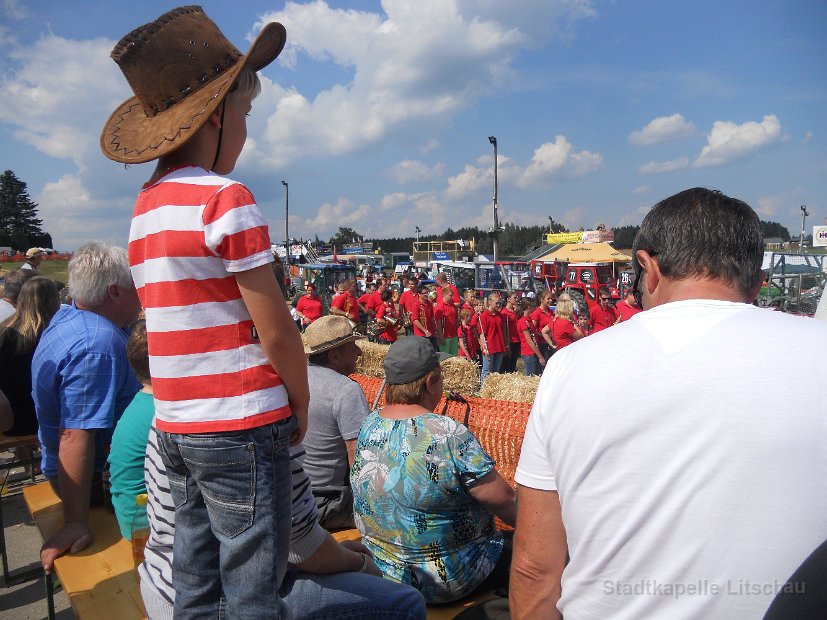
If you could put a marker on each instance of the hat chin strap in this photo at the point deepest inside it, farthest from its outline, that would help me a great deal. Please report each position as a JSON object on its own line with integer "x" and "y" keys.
{"x": 220, "y": 134}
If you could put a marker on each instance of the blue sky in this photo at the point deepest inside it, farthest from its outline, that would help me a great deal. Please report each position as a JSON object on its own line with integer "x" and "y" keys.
{"x": 378, "y": 113}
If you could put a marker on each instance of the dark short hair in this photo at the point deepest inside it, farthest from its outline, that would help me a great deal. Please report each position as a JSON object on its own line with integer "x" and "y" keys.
{"x": 319, "y": 359}
{"x": 422, "y": 289}
{"x": 15, "y": 281}
{"x": 701, "y": 232}
{"x": 386, "y": 295}
{"x": 137, "y": 352}
{"x": 604, "y": 290}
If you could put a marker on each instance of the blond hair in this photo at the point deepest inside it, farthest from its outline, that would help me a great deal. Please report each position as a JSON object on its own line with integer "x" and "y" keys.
{"x": 37, "y": 303}
{"x": 565, "y": 307}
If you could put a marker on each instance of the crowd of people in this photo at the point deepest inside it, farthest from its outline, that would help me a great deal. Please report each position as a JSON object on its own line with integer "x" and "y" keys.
{"x": 494, "y": 330}
{"x": 701, "y": 496}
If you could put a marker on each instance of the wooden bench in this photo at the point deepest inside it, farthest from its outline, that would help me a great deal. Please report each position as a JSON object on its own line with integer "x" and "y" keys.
{"x": 101, "y": 581}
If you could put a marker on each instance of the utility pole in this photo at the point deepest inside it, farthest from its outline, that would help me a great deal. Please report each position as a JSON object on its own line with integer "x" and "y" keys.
{"x": 804, "y": 215}
{"x": 496, "y": 230}
{"x": 286, "y": 216}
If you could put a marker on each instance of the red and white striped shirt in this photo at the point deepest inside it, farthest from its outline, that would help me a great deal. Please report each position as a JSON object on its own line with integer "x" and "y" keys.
{"x": 191, "y": 231}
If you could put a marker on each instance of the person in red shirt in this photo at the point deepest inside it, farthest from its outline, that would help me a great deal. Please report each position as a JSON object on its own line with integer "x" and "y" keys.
{"x": 541, "y": 316}
{"x": 491, "y": 338}
{"x": 422, "y": 316}
{"x": 469, "y": 301}
{"x": 446, "y": 317}
{"x": 406, "y": 300}
{"x": 309, "y": 308}
{"x": 346, "y": 304}
{"x": 564, "y": 328}
{"x": 387, "y": 316}
{"x": 603, "y": 315}
{"x": 627, "y": 308}
{"x": 529, "y": 340}
{"x": 367, "y": 301}
{"x": 442, "y": 283}
{"x": 467, "y": 336}
{"x": 512, "y": 337}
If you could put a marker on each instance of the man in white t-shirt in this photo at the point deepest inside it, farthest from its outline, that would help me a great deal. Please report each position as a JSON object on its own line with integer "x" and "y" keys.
{"x": 704, "y": 493}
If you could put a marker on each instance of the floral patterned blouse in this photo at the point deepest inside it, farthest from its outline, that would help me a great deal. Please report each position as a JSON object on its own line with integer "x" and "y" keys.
{"x": 411, "y": 481}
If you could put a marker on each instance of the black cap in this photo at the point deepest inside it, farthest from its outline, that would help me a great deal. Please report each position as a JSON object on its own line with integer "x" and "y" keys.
{"x": 409, "y": 359}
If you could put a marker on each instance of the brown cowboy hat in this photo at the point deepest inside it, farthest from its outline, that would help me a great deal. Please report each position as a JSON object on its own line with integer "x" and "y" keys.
{"x": 327, "y": 333}
{"x": 180, "y": 68}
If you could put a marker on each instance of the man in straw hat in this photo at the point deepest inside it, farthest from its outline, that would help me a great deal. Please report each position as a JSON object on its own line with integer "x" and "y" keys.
{"x": 34, "y": 256}
{"x": 337, "y": 409}
{"x": 229, "y": 396}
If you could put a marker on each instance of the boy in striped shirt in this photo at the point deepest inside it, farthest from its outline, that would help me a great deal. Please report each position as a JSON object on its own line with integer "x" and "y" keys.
{"x": 229, "y": 395}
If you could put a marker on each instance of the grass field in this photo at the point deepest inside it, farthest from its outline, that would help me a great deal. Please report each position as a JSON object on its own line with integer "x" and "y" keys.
{"x": 55, "y": 269}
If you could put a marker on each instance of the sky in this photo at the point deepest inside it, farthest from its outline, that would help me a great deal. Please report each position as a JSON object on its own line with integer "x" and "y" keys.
{"x": 378, "y": 114}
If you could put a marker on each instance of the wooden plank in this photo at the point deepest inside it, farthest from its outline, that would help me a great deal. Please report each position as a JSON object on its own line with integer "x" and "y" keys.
{"x": 7, "y": 443}
{"x": 100, "y": 581}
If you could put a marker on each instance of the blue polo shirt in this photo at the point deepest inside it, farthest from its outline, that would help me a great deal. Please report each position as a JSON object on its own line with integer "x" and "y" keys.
{"x": 81, "y": 379}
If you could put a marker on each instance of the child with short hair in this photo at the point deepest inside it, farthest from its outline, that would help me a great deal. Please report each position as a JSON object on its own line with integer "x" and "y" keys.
{"x": 227, "y": 363}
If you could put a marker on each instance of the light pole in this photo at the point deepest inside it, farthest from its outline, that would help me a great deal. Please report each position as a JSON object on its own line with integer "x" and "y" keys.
{"x": 495, "y": 231}
{"x": 286, "y": 215}
{"x": 804, "y": 215}
{"x": 418, "y": 230}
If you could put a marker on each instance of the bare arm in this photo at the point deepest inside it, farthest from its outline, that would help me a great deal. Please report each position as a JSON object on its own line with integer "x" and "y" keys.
{"x": 345, "y": 557}
{"x": 497, "y": 496}
{"x": 532, "y": 345}
{"x": 546, "y": 333}
{"x": 540, "y": 551}
{"x": 279, "y": 338}
{"x": 76, "y": 456}
{"x": 350, "y": 446}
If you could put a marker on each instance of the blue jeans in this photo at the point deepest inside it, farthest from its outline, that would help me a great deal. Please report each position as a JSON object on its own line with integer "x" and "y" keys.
{"x": 353, "y": 596}
{"x": 532, "y": 365}
{"x": 491, "y": 363}
{"x": 232, "y": 520}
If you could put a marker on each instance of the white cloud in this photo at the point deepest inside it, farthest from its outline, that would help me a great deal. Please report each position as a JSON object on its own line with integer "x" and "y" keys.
{"x": 12, "y": 10}
{"x": 73, "y": 215}
{"x": 469, "y": 181}
{"x": 661, "y": 129}
{"x": 410, "y": 171}
{"x": 783, "y": 207}
{"x": 642, "y": 189}
{"x": 656, "y": 167}
{"x": 807, "y": 137}
{"x": 728, "y": 142}
{"x": 572, "y": 218}
{"x": 557, "y": 158}
{"x": 329, "y": 217}
{"x": 60, "y": 95}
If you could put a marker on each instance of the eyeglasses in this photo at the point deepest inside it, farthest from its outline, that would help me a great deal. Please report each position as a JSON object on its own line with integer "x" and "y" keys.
{"x": 604, "y": 299}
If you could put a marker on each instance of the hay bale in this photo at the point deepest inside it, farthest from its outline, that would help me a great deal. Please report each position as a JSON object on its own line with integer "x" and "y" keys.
{"x": 461, "y": 375}
{"x": 511, "y": 386}
{"x": 372, "y": 358}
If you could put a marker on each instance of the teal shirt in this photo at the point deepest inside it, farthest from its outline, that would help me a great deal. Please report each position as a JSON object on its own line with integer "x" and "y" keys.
{"x": 411, "y": 481}
{"x": 126, "y": 458}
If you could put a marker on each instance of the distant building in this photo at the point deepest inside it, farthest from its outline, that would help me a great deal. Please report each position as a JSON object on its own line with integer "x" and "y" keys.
{"x": 773, "y": 243}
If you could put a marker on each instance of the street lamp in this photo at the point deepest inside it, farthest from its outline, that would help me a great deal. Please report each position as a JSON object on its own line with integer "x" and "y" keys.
{"x": 495, "y": 231}
{"x": 804, "y": 215}
{"x": 418, "y": 230}
{"x": 286, "y": 214}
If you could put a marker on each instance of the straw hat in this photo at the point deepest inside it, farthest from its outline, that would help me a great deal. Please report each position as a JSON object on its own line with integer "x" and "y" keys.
{"x": 328, "y": 333}
{"x": 180, "y": 68}
{"x": 35, "y": 252}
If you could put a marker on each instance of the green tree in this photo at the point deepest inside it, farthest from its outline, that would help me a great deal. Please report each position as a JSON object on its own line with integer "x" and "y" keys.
{"x": 625, "y": 236}
{"x": 774, "y": 229}
{"x": 344, "y": 236}
{"x": 20, "y": 228}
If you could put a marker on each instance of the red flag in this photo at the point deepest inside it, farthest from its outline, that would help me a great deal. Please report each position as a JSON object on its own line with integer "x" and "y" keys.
{"x": 335, "y": 258}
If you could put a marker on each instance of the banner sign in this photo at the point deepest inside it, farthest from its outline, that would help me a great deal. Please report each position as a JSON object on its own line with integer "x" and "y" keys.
{"x": 569, "y": 237}
{"x": 441, "y": 255}
{"x": 819, "y": 236}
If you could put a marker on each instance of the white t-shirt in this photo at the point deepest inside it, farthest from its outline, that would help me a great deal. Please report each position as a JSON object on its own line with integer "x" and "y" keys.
{"x": 6, "y": 310}
{"x": 691, "y": 484}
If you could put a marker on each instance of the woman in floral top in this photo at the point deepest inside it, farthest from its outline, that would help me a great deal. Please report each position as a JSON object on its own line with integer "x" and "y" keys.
{"x": 425, "y": 491}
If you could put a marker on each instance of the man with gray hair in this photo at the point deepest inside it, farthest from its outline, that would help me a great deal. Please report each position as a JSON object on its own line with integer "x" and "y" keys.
{"x": 82, "y": 382}
{"x": 702, "y": 498}
{"x": 11, "y": 289}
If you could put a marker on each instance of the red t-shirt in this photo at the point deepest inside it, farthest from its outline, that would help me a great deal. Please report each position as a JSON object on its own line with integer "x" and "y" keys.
{"x": 387, "y": 310}
{"x": 600, "y": 318}
{"x": 469, "y": 335}
{"x": 448, "y": 314}
{"x": 310, "y": 307}
{"x": 525, "y": 324}
{"x": 424, "y": 313}
{"x": 541, "y": 318}
{"x": 512, "y": 335}
{"x": 562, "y": 332}
{"x": 347, "y": 304}
{"x": 406, "y": 300}
{"x": 626, "y": 311}
{"x": 491, "y": 326}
